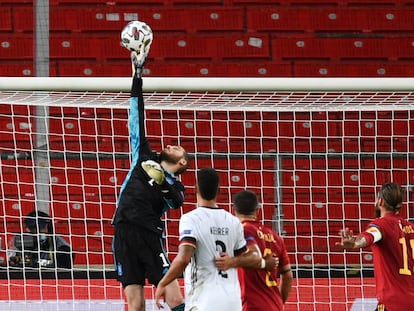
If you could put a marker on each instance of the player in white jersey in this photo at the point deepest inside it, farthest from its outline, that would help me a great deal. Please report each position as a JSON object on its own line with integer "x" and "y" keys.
{"x": 211, "y": 231}
{"x": 207, "y": 233}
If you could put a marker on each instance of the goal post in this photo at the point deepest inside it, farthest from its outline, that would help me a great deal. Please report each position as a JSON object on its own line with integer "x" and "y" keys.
{"x": 315, "y": 150}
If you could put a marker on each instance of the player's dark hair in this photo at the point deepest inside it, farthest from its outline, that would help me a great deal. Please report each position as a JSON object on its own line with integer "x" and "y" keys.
{"x": 208, "y": 183}
{"x": 245, "y": 202}
{"x": 393, "y": 196}
{"x": 38, "y": 220}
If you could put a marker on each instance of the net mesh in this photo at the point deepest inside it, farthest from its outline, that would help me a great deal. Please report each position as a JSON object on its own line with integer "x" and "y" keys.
{"x": 227, "y": 101}
{"x": 316, "y": 160}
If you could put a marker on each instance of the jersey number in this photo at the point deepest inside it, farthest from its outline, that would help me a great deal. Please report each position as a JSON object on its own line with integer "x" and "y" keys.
{"x": 164, "y": 260}
{"x": 403, "y": 241}
{"x": 221, "y": 248}
{"x": 269, "y": 281}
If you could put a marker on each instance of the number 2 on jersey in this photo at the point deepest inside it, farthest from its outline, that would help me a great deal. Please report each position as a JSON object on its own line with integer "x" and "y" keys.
{"x": 269, "y": 281}
{"x": 221, "y": 248}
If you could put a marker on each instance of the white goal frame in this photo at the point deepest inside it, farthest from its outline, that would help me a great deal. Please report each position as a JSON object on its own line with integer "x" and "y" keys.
{"x": 161, "y": 84}
{"x": 348, "y": 93}
{"x": 228, "y": 95}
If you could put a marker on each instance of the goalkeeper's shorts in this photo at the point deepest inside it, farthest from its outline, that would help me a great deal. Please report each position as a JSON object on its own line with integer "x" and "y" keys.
{"x": 138, "y": 254}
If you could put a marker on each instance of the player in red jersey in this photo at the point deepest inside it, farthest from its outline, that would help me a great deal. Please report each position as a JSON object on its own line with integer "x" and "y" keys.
{"x": 391, "y": 238}
{"x": 260, "y": 288}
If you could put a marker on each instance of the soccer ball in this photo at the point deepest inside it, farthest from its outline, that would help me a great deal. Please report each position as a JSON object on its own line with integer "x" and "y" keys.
{"x": 135, "y": 34}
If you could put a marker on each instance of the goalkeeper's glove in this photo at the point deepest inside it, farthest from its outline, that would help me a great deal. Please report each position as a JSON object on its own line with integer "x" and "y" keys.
{"x": 173, "y": 193}
{"x": 154, "y": 171}
{"x": 138, "y": 61}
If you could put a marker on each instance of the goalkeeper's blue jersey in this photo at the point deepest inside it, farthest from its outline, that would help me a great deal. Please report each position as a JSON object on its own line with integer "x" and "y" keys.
{"x": 140, "y": 202}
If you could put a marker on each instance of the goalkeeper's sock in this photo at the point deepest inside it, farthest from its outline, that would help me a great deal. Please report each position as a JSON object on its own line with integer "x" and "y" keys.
{"x": 179, "y": 307}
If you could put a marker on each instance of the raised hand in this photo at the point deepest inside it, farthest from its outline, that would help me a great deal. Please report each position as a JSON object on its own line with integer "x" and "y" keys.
{"x": 138, "y": 61}
{"x": 347, "y": 239}
{"x": 154, "y": 171}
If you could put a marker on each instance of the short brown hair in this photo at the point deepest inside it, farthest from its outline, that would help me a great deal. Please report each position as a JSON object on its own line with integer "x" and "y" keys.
{"x": 393, "y": 196}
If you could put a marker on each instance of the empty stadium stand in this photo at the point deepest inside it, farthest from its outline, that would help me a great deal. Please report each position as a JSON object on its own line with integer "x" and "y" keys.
{"x": 209, "y": 38}
{"x": 346, "y": 20}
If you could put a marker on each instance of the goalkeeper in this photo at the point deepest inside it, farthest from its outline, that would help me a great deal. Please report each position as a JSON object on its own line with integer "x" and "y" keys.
{"x": 149, "y": 189}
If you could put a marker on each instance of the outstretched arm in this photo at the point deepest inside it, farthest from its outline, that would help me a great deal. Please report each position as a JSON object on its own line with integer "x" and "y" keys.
{"x": 185, "y": 252}
{"x": 248, "y": 259}
{"x": 136, "y": 122}
{"x": 251, "y": 259}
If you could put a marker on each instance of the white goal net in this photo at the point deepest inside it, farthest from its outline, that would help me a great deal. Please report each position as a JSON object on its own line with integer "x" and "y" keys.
{"x": 316, "y": 152}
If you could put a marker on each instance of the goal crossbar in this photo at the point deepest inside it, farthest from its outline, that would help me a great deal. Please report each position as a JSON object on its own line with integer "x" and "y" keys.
{"x": 162, "y": 84}
{"x": 258, "y": 94}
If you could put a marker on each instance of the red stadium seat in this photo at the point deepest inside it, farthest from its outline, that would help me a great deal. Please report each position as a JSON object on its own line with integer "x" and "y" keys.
{"x": 215, "y": 19}
{"x": 23, "y": 18}
{"x": 97, "y": 19}
{"x": 316, "y": 3}
{"x": 198, "y": 2}
{"x": 23, "y": 69}
{"x": 17, "y": 69}
{"x": 184, "y": 47}
{"x": 320, "y": 19}
{"x": 353, "y": 69}
{"x": 105, "y": 18}
{"x": 5, "y": 19}
{"x": 390, "y": 20}
{"x": 218, "y": 145}
{"x": 237, "y": 124}
{"x": 15, "y": 207}
{"x": 17, "y": 180}
{"x": 86, "y": 197}
{"x": 103, "y": 2}
{"x": 193, "y": 68}
{"x": 341, "y": 19}
{"x": 200, "y": 162}
{"x": 365, "y": 4}
{"x": 221, "y": 163}
{"x": 173, "y": 68}
{"x": 16, "y": 47}
{"x": 15, "y": 133}
{"x": 86, "y": 47}
{"x": 203, "y": 127}
{"x": 244, "y": 46}
{"x": 210, "y": 46}
{"x": 341, "y": 48}
{"x": 270, "y": 2}
{"x": 18, "y": 2}
{"x": 89, "y": 239}
{"x": 279, "y": 19}
{"x": 114, "y": 18}
{"x": 404, "y": 48}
